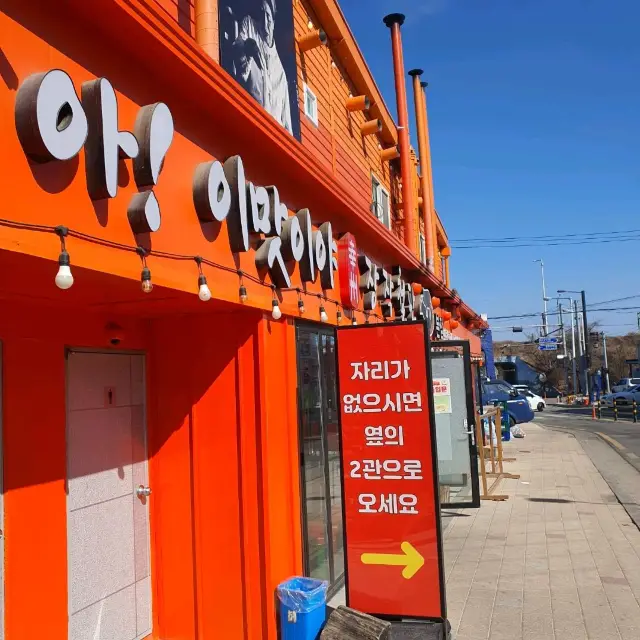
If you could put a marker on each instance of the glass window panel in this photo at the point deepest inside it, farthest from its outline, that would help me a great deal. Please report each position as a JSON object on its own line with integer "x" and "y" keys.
{"x": 321, "y": 467}
{"x": 313, "y": 456}
{"x": 333, "y": 452}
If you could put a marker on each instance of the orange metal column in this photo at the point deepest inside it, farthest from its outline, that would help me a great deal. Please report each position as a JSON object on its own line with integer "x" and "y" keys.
{"x": 206, "y": 18}
{"x": 430, "y": 174}
{"x": 394, "y": 21}
{"x": 423, "y": 147}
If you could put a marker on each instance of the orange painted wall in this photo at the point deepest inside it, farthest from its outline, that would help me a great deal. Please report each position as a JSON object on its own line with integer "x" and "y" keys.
{"x": 230, "y": 437}
{"x": 223, "y": 448}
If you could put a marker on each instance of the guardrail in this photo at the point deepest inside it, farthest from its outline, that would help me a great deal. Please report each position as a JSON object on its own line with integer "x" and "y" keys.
{"x": 618, "y": 410}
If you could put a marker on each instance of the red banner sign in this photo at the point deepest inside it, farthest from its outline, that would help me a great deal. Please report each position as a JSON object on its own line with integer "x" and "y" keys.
{"x": 348, "y": 271}
{"x": 393, "y": 542}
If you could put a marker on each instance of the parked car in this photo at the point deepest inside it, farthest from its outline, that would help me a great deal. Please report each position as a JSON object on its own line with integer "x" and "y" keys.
{"x": 625, "y": 384}
{"x": 536, "y": 402}
{"x": 622, "y": 398}
{"x": 517, "y": 406}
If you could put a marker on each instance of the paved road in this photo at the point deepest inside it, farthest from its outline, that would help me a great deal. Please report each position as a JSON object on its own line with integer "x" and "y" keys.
{"x": 624, "y": 435}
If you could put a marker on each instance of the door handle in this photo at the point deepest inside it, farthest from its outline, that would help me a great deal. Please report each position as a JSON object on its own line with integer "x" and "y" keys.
{"x": 143, "y": 492}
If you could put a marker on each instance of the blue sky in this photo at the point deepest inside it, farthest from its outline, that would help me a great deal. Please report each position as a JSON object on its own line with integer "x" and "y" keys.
{"x": 533, "y": 113}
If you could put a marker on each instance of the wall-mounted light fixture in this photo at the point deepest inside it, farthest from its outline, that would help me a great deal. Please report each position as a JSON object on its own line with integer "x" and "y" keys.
{"x": 371, "y": 127}
{"x": 358, "y": 103}
{"x": 313, "y": 40}
{"x": 387, "y": 155}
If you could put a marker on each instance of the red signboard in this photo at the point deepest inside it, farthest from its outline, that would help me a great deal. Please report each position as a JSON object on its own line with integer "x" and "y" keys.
{"x": 392, "y": 529}
{"x": 348, "y": 271}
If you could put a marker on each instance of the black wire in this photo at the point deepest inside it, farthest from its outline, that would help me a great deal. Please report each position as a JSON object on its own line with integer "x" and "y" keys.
{"x": 557, "y": 313}
{"x": 554, "y": 235}
{"x": 544, "y": 243}
{"x": 41, "y": 228}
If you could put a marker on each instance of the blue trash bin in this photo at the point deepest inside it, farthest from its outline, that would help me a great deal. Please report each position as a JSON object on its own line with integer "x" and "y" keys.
{"x": 303, "y": 608}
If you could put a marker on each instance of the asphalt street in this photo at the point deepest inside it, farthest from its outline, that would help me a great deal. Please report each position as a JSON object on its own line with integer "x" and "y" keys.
{"x": 623, "y": 435}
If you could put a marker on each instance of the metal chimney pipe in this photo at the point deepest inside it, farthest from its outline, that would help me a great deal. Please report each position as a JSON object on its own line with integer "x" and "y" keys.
{"x": 423, "y": 148}
{"x": 394, "y": 21}
{"x": 206, "y": 19}
{"x": 432, "y": 203}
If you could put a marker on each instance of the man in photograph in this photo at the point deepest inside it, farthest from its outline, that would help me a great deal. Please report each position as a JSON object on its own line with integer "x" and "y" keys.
{"x": 275, "y": 89}
{"x": 248, "y": 74}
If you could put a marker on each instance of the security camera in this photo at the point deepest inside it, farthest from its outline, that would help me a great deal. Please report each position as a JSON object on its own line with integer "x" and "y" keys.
{"x": 115, "y": 334}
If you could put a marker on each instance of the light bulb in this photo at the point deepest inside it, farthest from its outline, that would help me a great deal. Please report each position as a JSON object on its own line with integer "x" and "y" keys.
{"x": 300, "y": 306}
{"x": 204, "y": 293}
{"x": 147, "y": 285}
{"x": 323, "y": 315}
{"x": 276, "y": 314}
{"x": 354, "y": 322}
{"x": 339, "y": 316}
{"x": 244, "y": 296}
{"x": 64, "y": 277}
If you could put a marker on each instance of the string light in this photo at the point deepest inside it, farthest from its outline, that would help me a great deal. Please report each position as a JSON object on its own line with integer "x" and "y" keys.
{"x": 276, "y": 314}
{"x": 145, "y": 276}
{"x": 242, "y": 292}
{"x": 64, "y": 277}
{"x": 204, "y": 293}
{"x": 323, "y": 313}
{"x": 354, "y": 320}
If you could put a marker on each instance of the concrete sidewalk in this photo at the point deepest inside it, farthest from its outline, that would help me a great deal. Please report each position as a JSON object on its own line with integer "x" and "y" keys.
{"x": 560, "y": 560}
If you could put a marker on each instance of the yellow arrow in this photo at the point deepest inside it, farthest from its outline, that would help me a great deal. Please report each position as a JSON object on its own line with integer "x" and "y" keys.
{"x": 410, "y": 559}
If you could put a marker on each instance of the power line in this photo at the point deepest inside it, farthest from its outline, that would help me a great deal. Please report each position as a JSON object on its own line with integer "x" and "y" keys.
{"x": 504, "y": 245}
{"x": 537, "y": 314}
{"x": 554, "y": 235}
{"x": 615, "y": 300}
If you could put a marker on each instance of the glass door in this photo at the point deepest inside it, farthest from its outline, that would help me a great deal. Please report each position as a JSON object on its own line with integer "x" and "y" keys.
{"x": 320, "y": 454}
{"x": 455, "y": 420}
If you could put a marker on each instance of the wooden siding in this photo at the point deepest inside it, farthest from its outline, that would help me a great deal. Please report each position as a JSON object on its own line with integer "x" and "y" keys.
{"x": 337, "y": 140}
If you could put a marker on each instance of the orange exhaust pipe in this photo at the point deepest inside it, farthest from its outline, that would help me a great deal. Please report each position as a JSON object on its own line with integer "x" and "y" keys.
{"x": 423, "y": 148}
{"x": 394, "y": 21}
{"x": 432, "y": 201}
{"x": 386, "y": 155}
{"x": 206, "y": 19}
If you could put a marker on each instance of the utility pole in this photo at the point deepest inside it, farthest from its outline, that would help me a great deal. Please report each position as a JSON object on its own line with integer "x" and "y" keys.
{"x": 564, "y": 345}
{"x": 544, "y": 298}
{"x": 573, "y": 354}
{"x": 580, "y": 351}
{"x": 606, "y": 362}
{"x": 587, "y": 347}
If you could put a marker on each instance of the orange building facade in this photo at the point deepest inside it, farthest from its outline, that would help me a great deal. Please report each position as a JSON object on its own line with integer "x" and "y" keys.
{"x": 152, "y": 420}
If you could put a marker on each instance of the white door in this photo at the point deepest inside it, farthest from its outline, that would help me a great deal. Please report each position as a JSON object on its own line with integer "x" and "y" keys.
{"x": 107, "y": 498}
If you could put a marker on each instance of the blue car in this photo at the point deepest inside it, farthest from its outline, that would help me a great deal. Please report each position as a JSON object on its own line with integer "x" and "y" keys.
{"x": 501, "y": 391}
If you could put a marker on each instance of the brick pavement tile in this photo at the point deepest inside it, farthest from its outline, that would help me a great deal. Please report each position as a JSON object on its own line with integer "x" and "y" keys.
{"x": 599, "y": 621}
{"x": 476, "y": 619}
{"x": 506, "y": 623}
{"x": 624, "y": 605}
{"x": 629, "y": 633}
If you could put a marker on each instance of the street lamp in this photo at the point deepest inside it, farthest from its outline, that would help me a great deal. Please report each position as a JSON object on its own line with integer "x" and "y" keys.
{"x": 573, "y": 340}
{"x": 587, "y": 356}
{"x": 544, "y": 297}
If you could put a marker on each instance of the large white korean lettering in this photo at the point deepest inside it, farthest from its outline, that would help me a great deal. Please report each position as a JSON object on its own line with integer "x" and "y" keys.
{"x": 50, "y": 121}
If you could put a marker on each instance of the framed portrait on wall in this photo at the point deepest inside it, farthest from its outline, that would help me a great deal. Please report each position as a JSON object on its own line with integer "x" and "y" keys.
{"x": 257, "y": 47}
